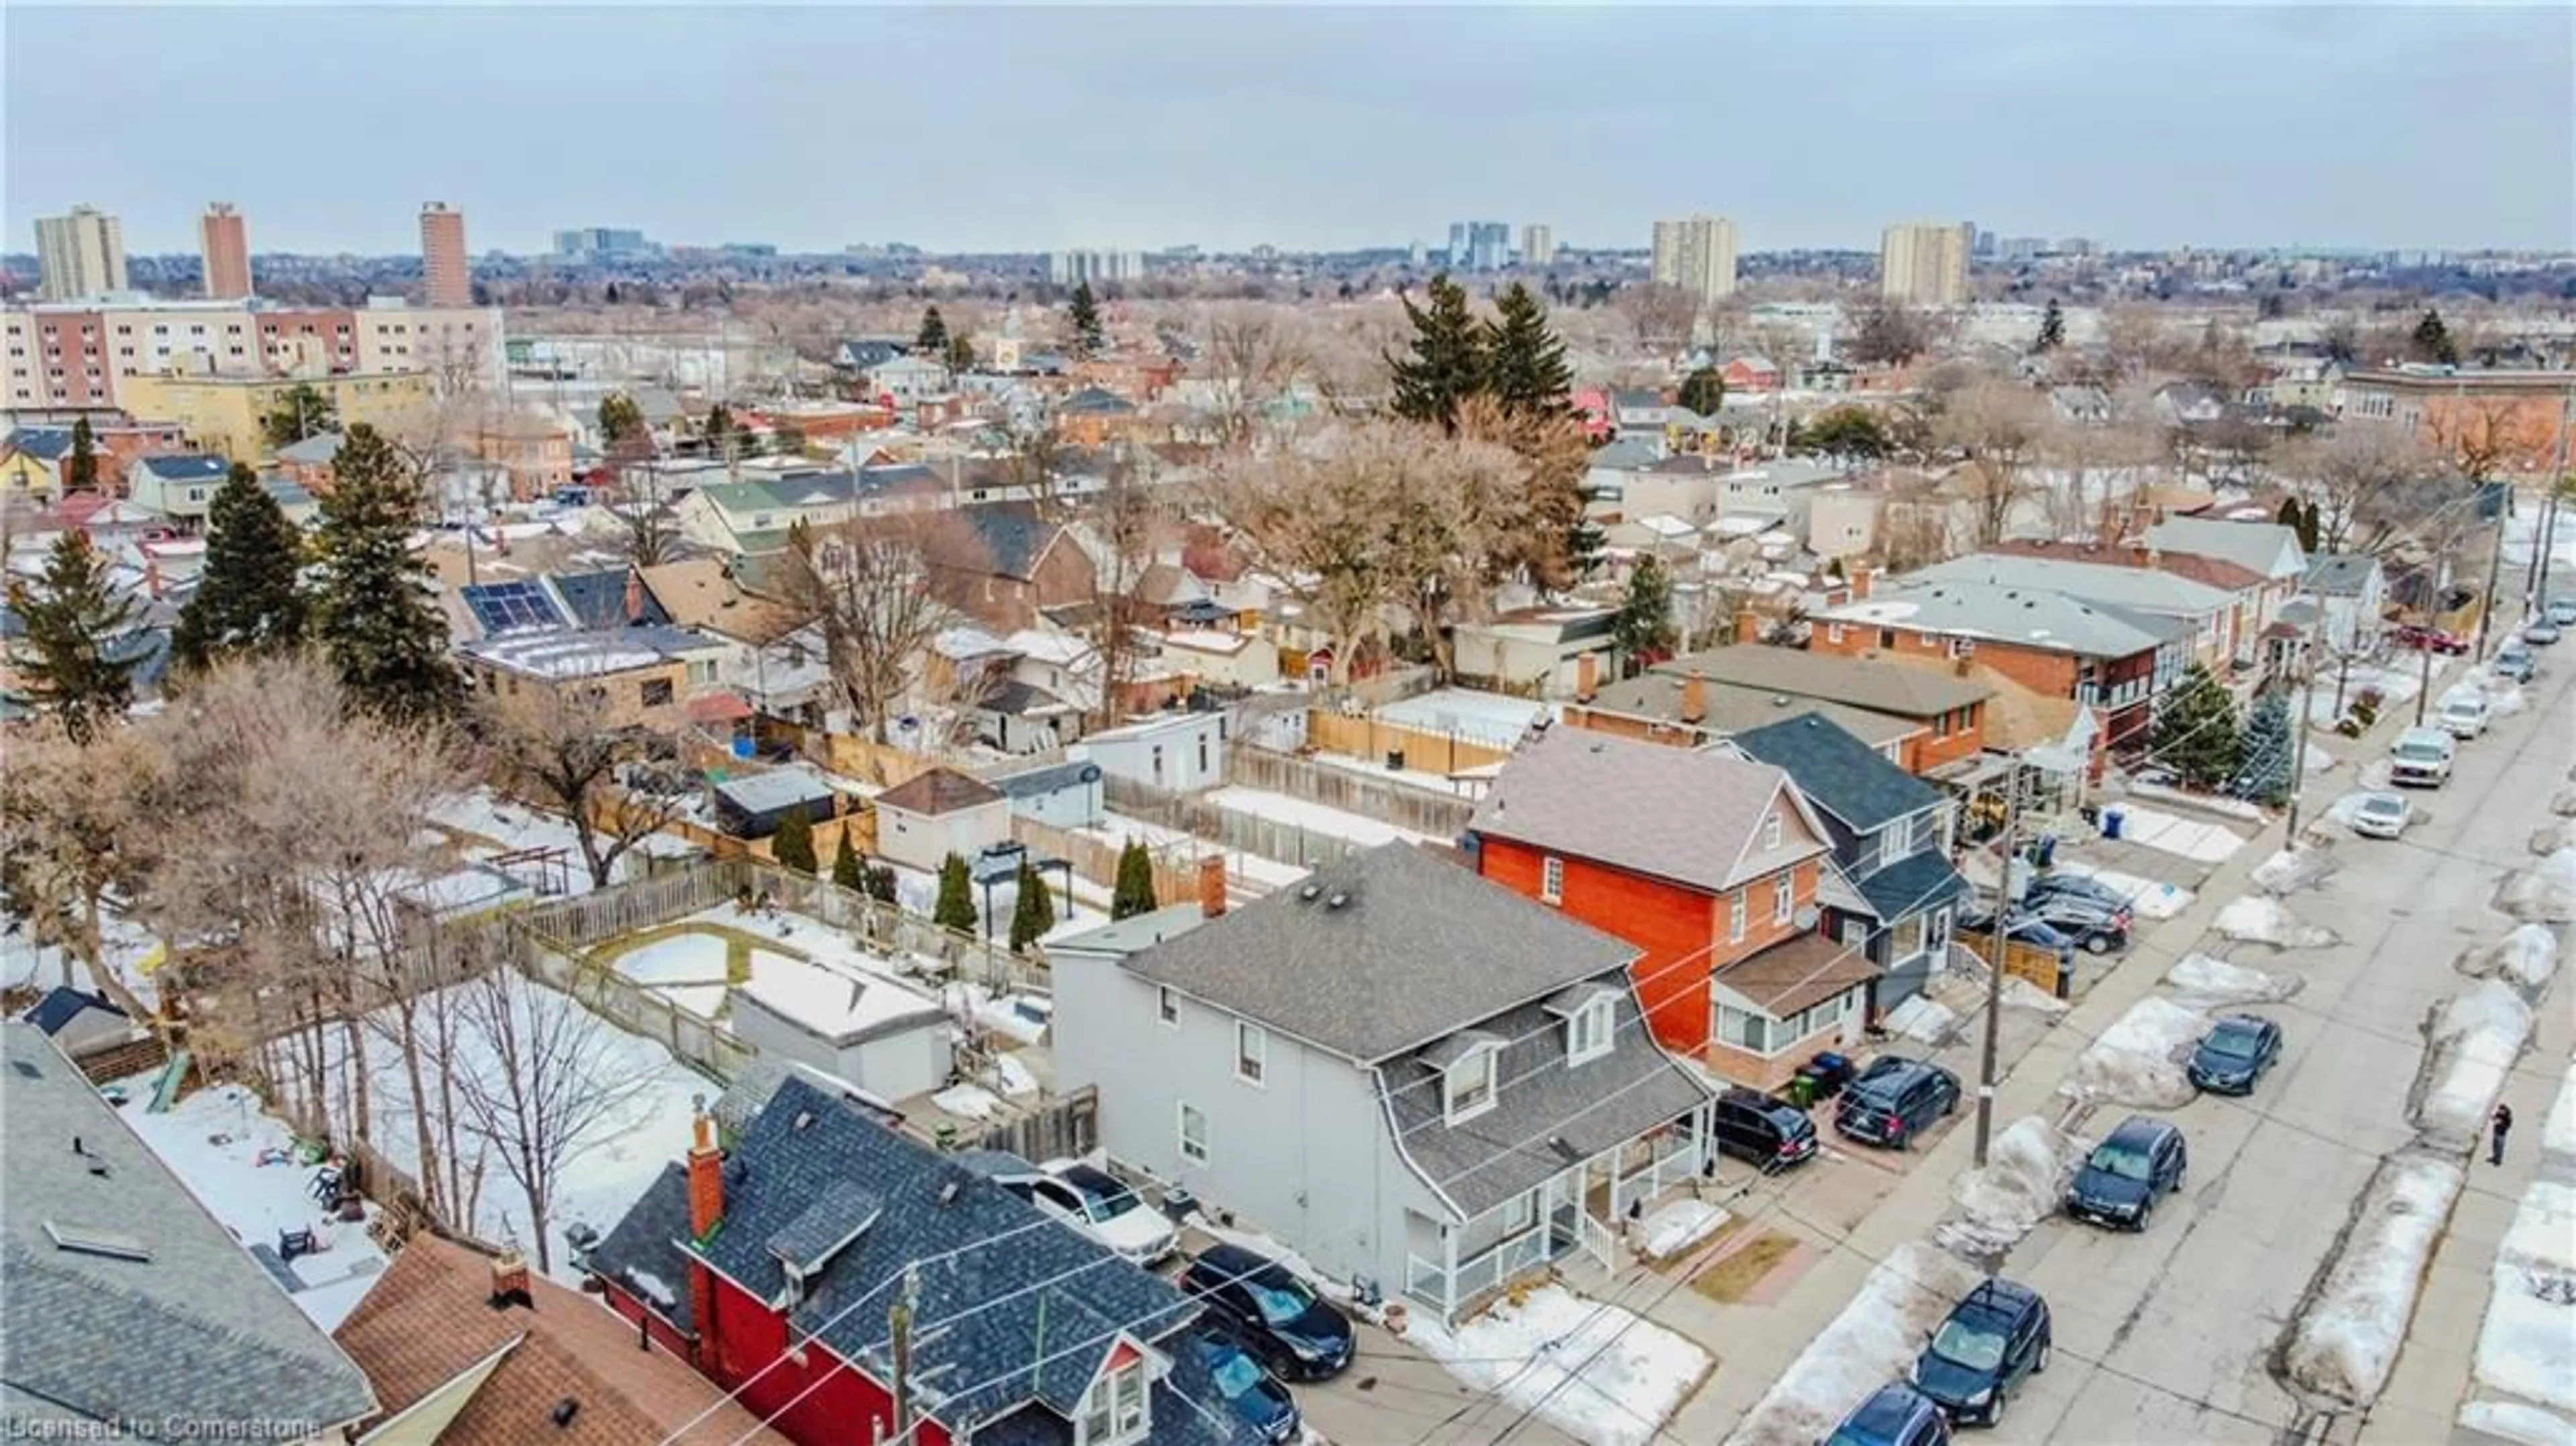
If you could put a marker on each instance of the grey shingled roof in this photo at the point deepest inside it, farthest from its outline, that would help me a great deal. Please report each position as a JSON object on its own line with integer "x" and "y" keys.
{"x": 1014, "y": 1311}
{"x": 1418, "y": 949}
{"x": 199, "y": 1331}
{"x": 1838, "y": 772}
{"x": 1736, "y": 708}
{"x": 1676, "y": 813}
{"x": 2099, "y": 583}
{"x": 1911, "y": 885}
{"x": 2038, "y": 618}
{"x": 2339, "y": 574}
{"x": 1050, "y": 778}
{"x": 1901, "y": 691}
{"x": 2258, "y": 547}
{"x": 1481, "y": 1162}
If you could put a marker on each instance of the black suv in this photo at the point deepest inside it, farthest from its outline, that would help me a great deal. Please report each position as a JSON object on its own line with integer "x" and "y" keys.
{"x": 1771, "y": 1132}
{"x": 2231, "y": 1058}
{"x": 1894, "y": 1100}
{"x": 2121, "y": 1179}
{"x": 1295, "y": 1332}
{"x": 1999, "y": 1334}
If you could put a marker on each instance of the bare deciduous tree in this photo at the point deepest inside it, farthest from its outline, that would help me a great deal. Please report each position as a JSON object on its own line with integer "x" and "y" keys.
{"x": 2362, "y": 477}
{"x": 874, "y": 594}
{"x": 72, "y": 830}
{"x": 1996, "y": 425}
{"x": 1663, "y": 314}
{"x": 1122, "y": 518}
{"x": 553, "y": 1091}
{"x": 562, "y": 746}
{"x": 1249, "y": 353}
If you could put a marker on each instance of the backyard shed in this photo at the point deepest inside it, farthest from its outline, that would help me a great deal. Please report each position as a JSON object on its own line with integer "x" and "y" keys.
{"x": 753, "y": 805}
{"x": 939, "y": 813}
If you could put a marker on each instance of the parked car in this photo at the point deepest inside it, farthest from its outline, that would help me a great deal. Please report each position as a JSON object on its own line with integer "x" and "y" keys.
{"x": 2514, "y": 661}
{"x": 2095, "y": 927}
{"x": 2022, "y": 927}
{"x": 1897, "y": 1415}
{"x": 1995, "y": 1338}
{"x": 1297, "y": 1334}
{"x": 2562, "y": 611}
{"x": 2421, "y": 756}
{"x": 2417, "y": 635}
{"x": 1105, "y": 1208}
{"x": 1894, "y": 1100}
{"x": 2231, "y": 1058}
{"x": 2464, "y": 714}
{"x": 1764, "y": 1129}
{"x": 2120, "y": 1180}
{"x": 1255, "y": 1395}
{"x": 2382, "y": 815}
{"x": 2540, "y": 632}
{"x": 2082, "y": 886}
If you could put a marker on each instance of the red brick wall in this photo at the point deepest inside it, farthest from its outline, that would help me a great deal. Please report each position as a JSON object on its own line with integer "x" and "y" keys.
{"x": 2046, "y": 673}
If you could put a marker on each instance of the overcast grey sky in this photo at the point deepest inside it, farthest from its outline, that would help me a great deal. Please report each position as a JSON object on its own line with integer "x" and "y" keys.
{"x": 973, "y": 128}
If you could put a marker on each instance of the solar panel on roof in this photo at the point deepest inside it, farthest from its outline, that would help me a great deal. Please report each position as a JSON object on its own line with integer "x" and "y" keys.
{"x": 509, "y": 606}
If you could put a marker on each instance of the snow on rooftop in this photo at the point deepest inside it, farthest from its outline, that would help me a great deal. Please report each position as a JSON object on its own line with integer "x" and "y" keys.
{"x": 836, "y": 1003}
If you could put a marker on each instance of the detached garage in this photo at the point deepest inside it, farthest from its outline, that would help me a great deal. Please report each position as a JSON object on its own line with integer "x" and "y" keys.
{"x": 942, "y": 812}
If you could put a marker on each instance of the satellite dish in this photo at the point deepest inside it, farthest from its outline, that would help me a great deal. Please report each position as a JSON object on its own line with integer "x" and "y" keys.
{"x": 1805, "y": 918}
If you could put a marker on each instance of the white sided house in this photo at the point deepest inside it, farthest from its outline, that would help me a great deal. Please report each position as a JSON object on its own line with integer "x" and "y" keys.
{"x": 1181, "y": 752}
{"x": 941, "y": 812}
{"x": 1404, "y": 1072}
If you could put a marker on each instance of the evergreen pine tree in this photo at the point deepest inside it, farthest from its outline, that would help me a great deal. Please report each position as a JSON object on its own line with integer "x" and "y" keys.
{"x": 2052, "y": 328}
{"x": 2269, "y": 762}
{"x": 720, "y": 431}
{"x": 846, "y": 868}
{"x": 1585, "y": 542}
{"x": 1644, "y": 623}
{"x": 956, "y": 906}
{"x": 302, "y": 411}
{"x": 81, "y": 474}
{"x": 1034, "y": 912}
{"x": 2312, "y": 527}
{"x": 1445, "y": 363}
{"x": 621, "y": 421}
{"x": 372, "y": 610}
{"x": 1525, "y": 367}
{"x": 1082, "y": 318}
{"x": 1133, "y": 892}
{"x": 2433, "y": 340}
{"x": 250, "y": 595}
{"x": 2291, "y": 514}
{"x": 76, "y": 658}
{"x": 961, "y": 352}
{"x": 1704, "y": 391}
{"x": 932, "y": 339}
{"x": 2195, "y": 731}
{"x": 793, "y": 845}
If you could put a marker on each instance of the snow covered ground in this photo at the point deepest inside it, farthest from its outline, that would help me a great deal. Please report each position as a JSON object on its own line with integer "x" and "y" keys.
{"x": 2290, "y": 870}
{"x": 2024, "y": 1177}
{"x": 1596, "y": 1372}
{"x": 1922, "y": 1018}
{"x": 2148, "y": 898}
{"x": 2218, "y": 981}
{"x": 2138, "y": 1061}
{"x": 2471, "y": 1047}
{"x": 2545, "y": 893}
{"x": 1677, "y": 1227}
{"x": 1873, "y": 1341}
{"x": 1496, "y": 720}
{"x": 1023, "y": 1017}
{"x": 1313, "y": 817}
{"x": 214, "y": 1141}
{"x": 130, "y": 952}
{"x": 2256, "y": 920}
{"x": 2170, "y": 833}
{"x": 2527, "y": 1346}
{"x": 2342, "y": 1344}
{"x": 495, "y": 825}
{"x": 2524, "y": 958}
{"x": 1118, "y": 828}
{"x": 2395, "y": 681}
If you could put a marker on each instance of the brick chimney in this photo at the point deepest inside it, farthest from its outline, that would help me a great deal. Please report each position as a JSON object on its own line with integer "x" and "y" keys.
{"x": 510, "y": 1281}
{"x": 1587, "y": 677}
{"x": 1860, "y": 574}
{"x": 1212, "y": 886}
{"x": 1694, "y": 699}
{"x": 1748, "y": 626}
{"x": 706, "y": 1211}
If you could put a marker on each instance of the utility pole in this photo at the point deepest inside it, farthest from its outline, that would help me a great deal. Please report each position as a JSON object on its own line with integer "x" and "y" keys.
{"x": 899, "y": 1333}
{"x": 2299, "y": 755}
{"x": 2547, "y": 540}
{"x": 2495, "y": 571}
{"x": 2424, "y": 679}
{"x": 1996, "y": 946}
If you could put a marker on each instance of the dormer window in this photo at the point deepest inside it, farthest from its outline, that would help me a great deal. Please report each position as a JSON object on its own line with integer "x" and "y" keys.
{"x": 1771, "y": 829}
{"x": 1587, "y": 1032}
{"x": 1467, "y": 1085}
{"x": 1119, "y": 1408}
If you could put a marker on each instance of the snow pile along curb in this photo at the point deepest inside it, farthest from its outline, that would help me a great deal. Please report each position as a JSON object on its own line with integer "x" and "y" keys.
{"x": 2024, "y": 1176}
{"x": 2257, "y": 920}
{"x": 1594, "y": 1371}
{"x": 2203, "y": 977}
{"x": 2138, "y": 1061}
{"x": 2545, "y": 893}
{"x": 2345, "y": 1337}
{"x": 2524, "y": 959}
{"x": 2471, "y": 1042}
{"x": 2293, "y": 869}
{"x": 1873, "y": 1341}
{"x": 2527, "y": 1347}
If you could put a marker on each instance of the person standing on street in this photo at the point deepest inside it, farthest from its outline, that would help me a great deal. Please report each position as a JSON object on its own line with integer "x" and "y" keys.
{"x": 2503, "y": 1127}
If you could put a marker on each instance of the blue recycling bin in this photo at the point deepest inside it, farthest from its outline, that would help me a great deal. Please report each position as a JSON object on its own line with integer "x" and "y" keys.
{"x": 2044, "y": 852}
{"x": 2112, "y": 818}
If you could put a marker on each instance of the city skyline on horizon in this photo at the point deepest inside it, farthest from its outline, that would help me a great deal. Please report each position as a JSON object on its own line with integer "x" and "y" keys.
{"x": 1184, "y": 110}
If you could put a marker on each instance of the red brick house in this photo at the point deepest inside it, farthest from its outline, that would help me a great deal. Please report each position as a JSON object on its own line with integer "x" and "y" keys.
{"x": 1708, "y": 861}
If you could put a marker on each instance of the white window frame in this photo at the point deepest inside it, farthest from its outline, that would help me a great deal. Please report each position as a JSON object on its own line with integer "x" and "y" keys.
{"x": 1963, "y": 647}
{"x": 1551, "y": 880}
{"x": 1588, "y": 1031}
{"x": 1771, "y": 829}
{"x": 1251, "y": 1052}
{"x": 1833, "y": 632}
{"x": 1896, "y": 841}
{"x": 1520, "y": 1213}
{"x": 1733, "y": 1039}
{"x": 1738, "y": 918}
{"x": 1784, "y": 897}
{"x": 1195, "y": 1152}
{"x": 1485, "y": 1058}
{"x": 1167, "y": 1006}
{"x": 1118, "y": 1409}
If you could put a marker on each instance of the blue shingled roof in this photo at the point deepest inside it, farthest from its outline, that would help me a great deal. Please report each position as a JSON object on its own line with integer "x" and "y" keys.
{"x": 1846, "y": 777}
{"x": 185, "y": 467}
{"x": 63, "y": 1004}
{"x": 1912, "y": 885}
{"x": 1014, "y": 1310}
{"x": 45, "y": 444}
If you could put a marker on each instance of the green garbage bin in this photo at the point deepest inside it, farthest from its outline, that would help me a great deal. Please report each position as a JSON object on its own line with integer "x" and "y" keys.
{"x": 1802, "y": 1090}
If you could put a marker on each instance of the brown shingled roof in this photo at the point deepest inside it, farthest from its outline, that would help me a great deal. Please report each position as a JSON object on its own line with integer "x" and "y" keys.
{"x": 1793, "y": 974}
{"x": 431, "y": 1320}
{"x": 941, "y": 790}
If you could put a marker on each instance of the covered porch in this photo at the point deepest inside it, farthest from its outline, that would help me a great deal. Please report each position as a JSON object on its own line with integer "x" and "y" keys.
{"x": 1450, "y": 1267}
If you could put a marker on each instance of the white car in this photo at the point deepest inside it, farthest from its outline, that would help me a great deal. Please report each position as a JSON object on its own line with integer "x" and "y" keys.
{"x": 2382, "y": 815}
{"x": 1105, "y": 1208}
{"x": 2465, "y": 715}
